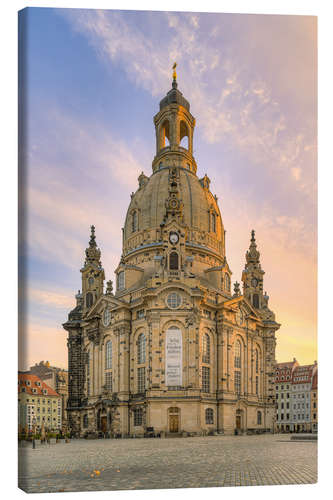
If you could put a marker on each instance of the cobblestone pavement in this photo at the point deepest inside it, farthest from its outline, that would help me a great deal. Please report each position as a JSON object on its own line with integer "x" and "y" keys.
{"x": 127, "y": 464}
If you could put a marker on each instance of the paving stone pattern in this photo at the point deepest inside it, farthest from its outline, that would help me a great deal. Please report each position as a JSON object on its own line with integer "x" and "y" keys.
{"x": 129, "y": 464}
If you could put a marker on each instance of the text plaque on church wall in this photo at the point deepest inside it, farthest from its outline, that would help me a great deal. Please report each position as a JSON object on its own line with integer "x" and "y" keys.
{"x": 173, "y": 357}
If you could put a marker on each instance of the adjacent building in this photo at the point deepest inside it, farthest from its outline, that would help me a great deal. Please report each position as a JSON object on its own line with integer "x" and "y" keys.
{"x": 314, "y": 402}
{"x": 57, "y": 379}
{"x": 38, "y": 404}
{"x": 174, "y": 348}
{"x": 301, "y": 397}
{"x": 283, "y": 387}
{"x": 296, "y": 397}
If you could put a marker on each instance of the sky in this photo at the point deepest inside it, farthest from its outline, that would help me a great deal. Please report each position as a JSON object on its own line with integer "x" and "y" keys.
{"x": 92, "y": 84}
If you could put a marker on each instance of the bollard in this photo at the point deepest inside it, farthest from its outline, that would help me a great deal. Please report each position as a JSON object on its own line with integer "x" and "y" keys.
{"x": 33, "y": 444}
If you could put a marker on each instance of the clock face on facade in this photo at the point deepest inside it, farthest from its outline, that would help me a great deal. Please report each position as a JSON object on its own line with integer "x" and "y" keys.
{"x": 173, "y": 237}
{"x": 106, "y": 317}
{"x": 254, "y": 282}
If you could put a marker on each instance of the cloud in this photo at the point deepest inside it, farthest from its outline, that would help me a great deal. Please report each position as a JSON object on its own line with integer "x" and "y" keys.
{"x": 43, "y": 342}
{"x": 61, "y": 300}
{"x": 79, "y": 181}
{"x": 233, "y": 103}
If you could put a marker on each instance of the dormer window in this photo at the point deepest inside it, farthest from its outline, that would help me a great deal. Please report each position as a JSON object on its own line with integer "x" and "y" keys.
{"x": 121, "y": 280}
{"x": 227, "y": 282}
{"x": 213, "y": 223}
{"x": 134, "y": 221}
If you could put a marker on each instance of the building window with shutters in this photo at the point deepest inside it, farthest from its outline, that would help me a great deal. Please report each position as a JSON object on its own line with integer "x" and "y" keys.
{"x": 206, "y": 379}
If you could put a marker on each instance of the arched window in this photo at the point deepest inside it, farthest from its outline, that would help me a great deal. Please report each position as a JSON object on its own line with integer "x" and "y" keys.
{"x": 183, "y": 135}
{"x": 108, "y": 355}
{"x": 259, "y": 417}
{"x": 85, "y": 420}
{"x": 121, "y": 280}
{"x": 165, "y": 134}
{"x": 89, "y": 299}
{"x": 206, "y": 348}
{"x": 237, "y": 366}
{"x": 227, "y": 282}
{"x": 173, "y": 261}
{"x": 237, "y": 355}
{"x": 141, "y": 349}
{"x": 209, "y": 416}
{"x": 134, "y": 221}
{"x": 255, "y": 300}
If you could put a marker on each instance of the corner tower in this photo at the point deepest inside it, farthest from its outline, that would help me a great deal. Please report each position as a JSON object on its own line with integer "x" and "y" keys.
{"x": 174, "y": 127}
{"x": 92, "y": 273}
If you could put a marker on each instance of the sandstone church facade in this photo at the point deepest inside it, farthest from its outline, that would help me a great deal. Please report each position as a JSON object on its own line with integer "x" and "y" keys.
{"x": 173, "y": 348}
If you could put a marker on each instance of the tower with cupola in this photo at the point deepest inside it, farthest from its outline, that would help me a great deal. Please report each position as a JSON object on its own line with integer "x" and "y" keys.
{"x": 174, "y": 126}
{"x": 92, "y": 273}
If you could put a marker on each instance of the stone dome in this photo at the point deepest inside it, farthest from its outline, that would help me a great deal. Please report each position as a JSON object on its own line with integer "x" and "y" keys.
{"x": 149, "y": 202}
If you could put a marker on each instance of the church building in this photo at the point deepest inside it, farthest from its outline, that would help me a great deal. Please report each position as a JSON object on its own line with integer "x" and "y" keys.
{"x": 173, "y": 349}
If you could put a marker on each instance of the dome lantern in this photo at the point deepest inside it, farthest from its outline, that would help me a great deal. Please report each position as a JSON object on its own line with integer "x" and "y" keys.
{"x": 174, "y": 127}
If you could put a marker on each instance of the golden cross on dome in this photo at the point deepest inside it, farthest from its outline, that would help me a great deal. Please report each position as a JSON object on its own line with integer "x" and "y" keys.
{"x": 174, "y": 74}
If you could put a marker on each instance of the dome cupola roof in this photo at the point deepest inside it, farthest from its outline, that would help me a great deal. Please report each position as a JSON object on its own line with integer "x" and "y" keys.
{"x": 174, "y": 96}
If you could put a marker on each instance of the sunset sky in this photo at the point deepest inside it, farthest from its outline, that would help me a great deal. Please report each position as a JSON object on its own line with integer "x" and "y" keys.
{"x": 94, "y": 82}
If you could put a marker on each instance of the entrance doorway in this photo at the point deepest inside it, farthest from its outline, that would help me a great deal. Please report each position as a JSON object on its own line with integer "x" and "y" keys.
{"x": 174, "y": 420}
{"x": 238, "y": 421}
{"x": 103, "y": 423}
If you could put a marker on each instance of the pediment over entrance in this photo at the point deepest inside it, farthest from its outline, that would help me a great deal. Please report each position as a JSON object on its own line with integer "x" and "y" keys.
{"x": 104, "y": 301}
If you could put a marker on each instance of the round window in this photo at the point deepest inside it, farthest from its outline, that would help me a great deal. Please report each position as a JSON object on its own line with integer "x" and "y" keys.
{"x": 174, "y": 300}
{"x": 106, "y": 317}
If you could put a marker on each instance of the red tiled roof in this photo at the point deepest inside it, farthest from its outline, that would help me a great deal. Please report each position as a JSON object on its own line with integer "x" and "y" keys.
{"x": 23, "y": 377}
{"x": 287, "y": 364}
{"x": 305, "y": 371}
